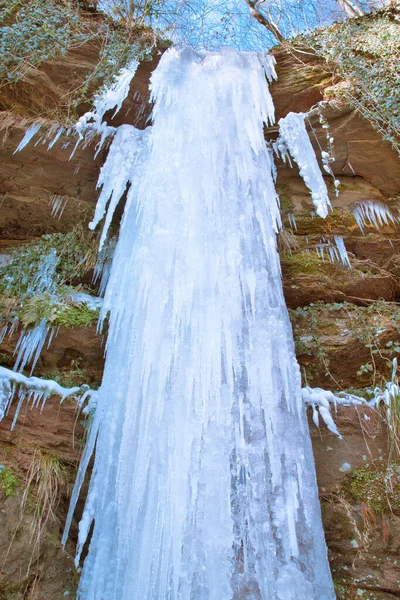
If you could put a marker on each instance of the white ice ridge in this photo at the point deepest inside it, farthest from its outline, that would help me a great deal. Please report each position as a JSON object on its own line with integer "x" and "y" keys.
{"x": 114, "y": 96}
{"x": 203, "y": 484}
{"x": 293, "y": 139}
{"x": 321, "y": 400}
{"x": 373, "y": 212}
{"x": 34, "y": 390}
{"x": 127, "y": 154}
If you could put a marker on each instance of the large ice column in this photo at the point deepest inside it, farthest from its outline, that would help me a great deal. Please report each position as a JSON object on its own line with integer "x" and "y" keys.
{"x": 203, "y": 486}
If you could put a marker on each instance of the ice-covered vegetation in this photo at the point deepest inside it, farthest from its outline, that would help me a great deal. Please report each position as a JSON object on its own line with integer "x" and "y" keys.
{"x": 34, "y": 391}
{"x": 36, "y": 291}
{"x": 365, "y": 53}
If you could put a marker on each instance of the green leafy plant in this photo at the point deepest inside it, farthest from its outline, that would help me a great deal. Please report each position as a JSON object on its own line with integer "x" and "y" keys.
{"x": 33, "y": 32}
{"x": 8, "y": 481}
{"x": 365, "y": 54}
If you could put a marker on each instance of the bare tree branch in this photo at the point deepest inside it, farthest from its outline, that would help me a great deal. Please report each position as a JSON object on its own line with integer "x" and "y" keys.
{"x": 267, "y": 23}
{"x": 351, "y": 9}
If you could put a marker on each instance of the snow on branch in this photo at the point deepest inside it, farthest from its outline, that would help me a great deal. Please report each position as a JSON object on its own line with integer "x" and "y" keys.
{"x": 36, "y": 391}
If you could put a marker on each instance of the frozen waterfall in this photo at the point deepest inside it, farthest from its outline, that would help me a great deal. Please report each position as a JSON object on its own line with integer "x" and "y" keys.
{"x": 203, "y": 486}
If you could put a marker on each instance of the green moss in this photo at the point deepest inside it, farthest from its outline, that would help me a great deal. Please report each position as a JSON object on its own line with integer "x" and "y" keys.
{"x": 56, "y": 310}
{"x": 285, "y": 198}
{"x": 377, "y": 485}
{"x": 8, "y": 481}
{"x": 337, "y": 219}
{"x": 302, "y": 263}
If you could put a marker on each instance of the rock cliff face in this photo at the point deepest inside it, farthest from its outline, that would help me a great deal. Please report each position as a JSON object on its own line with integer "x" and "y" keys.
{"x": 346, "y": 321}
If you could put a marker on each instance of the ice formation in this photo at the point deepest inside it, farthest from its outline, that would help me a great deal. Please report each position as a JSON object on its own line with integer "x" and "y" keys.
{"x": 91, "y": 123}
{"x": 36, "y": 391}
{"x": 58, "y": 204}
{"x": 340, "y": 245}
{"x": 31, "y": 343}
{"x": 29, "y": 134}
{"x": 373, "y": 212}
{"x": 293, "y": 139}
{"x": 114, "y": 96}
{"x": 336, "y": 250}
{"x": 320, "y": 401}
{"x": 102, "y": 269}
{"x": 203, "y": 485}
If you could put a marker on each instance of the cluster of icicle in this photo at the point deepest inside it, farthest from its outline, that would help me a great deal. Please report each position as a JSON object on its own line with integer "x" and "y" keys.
{"x": 336, "y": 251}
{"x": 321, "y": 400}
{"x": 375, "y": 213}
{"x": 35, "y": 391}
{"x": 91, "y": 124}
{"x": 203, "y": 485}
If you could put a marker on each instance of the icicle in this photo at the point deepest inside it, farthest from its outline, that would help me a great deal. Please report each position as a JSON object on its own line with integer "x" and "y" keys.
{"x": 30, "y": 345}
{"x": 292, "y": 221}
{"x": 58, "y": 204}
{"x": 107, "y": 99}
{"x": 114, "y": 96}
{"x": 203, "y": 484}
{"x": 374, "y": 213}
{"x": 344, "y": 257}
{"x": 45, "y": 278}
{"x": 128, "y": 147}
{"x": 56, "y": 137}
{"x": 30, "y": 133}
{"x": 34, "y": 390}
{"x": 320, "y": 400}
{"x": 102, "y": 269}
{"x": 293, "y": 137}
